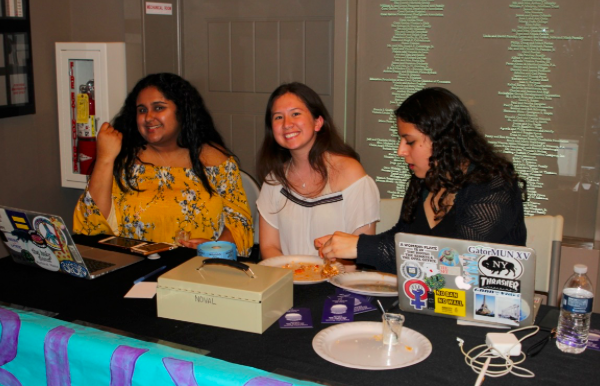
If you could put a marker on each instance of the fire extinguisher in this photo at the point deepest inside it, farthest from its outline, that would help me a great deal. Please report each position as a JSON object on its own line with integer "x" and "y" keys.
{"x": 86, "y": 126}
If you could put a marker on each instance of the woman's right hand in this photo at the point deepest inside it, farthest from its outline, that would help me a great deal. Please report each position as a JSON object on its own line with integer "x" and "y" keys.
{"x": 339, "y": 245}
{"x": 108, "y": 143}
{"x": 108, "y": 146}
{"x": 193, "y": 243}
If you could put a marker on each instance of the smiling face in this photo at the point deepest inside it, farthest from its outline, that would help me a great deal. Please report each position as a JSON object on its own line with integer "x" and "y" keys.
{"x": 157, "y": 118}
{"x": 294, "y": 127}
{"x": 415, "y": 147}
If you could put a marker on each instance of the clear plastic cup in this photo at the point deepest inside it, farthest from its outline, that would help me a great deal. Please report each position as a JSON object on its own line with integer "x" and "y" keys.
{"x": 392, "y": 328}
{"x": 181, "y": 236}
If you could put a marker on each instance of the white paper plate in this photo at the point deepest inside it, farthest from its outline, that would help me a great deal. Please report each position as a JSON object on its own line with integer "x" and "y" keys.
{"x": 359, "y": 345}
{"x": 367, "y": 283}
{"x": 280, "y": 261}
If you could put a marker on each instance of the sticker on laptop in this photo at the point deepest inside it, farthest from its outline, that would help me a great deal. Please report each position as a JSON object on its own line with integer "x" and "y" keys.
{"x": 436, "y": 281}
{"x": 417, "y": 291}
{"x": 411, "y": 270}
{"x": 74, "y": 269}
{"x": 419, "y": 252}
{"x": 500, "y": 284}
{"x": 16, "y": 220}
{"x": 497, "y": 306}
{"x": 449, "y": 257}
{"x": 430, "y": 269}
{"x": 470, "y": 270}
{"x": 15, "y": 243}
{"x": 502, "y": 267}
{"x": 54, "y": 237}
{"x": 44, "y": 257}
{"x": 446, "y": 270}
{"x": 450, "y": 302}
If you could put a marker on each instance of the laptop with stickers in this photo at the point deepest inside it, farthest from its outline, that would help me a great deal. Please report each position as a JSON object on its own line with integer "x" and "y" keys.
{"x": 466, "y": 280}
{"x": 43, "y": 240}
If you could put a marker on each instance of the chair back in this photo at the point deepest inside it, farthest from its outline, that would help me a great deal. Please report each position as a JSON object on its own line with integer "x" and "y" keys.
{"x": 252, "y": 190}
{"x": 544, "y": 235}
{"x": 389, "y": 213}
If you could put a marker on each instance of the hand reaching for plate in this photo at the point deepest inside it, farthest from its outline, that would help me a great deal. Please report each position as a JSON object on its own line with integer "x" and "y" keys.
{"x": 339, "y": 245}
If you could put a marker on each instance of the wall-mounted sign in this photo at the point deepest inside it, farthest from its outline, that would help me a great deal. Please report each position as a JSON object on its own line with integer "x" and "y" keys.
{"x": 159, "y": 8}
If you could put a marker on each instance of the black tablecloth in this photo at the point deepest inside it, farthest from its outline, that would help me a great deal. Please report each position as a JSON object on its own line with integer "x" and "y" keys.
{"x": 284, "y": 351}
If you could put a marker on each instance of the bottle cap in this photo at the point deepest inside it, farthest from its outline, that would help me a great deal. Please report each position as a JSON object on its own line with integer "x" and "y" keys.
{"x": 580, "y": 268}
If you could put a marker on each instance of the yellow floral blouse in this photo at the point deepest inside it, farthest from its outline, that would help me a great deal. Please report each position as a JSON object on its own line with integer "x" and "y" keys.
{"x": 172, "y": 199}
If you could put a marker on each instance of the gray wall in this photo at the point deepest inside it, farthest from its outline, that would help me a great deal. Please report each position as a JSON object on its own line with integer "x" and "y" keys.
{"x": 29, "y": 150}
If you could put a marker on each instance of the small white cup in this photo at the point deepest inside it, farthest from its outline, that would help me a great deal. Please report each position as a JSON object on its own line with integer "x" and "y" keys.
{"x": 392, "y": 328}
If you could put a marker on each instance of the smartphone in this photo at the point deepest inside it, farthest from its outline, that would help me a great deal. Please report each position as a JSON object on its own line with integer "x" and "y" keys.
{"x": 122, "y": 242}
{"x": 149, "y": 249}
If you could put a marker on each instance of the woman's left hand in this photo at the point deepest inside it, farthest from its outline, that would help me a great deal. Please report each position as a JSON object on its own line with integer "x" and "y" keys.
{"x": 193, "y": 243}
{"x": 339, "y": 245}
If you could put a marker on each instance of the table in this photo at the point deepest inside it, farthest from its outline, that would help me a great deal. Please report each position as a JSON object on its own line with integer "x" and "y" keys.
{"x": 287, "y": 352}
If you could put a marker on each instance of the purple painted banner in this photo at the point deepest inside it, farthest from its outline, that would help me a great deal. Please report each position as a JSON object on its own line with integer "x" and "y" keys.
{"x": 57, "y": 358}
{"x": 122, "y": 365}
{"x": 182, "y": 372}
{"x": 99, "y": 356}
{"x": 11, "y": 325}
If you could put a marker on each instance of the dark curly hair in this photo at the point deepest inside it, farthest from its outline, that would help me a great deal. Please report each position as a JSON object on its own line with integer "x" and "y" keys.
{"x": 456, "y": 144}
{"x": 197, "y": 127}
{"x": 273, "y": 157}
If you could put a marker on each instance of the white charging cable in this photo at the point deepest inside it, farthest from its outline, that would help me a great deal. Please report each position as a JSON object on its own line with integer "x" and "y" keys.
{"x": 480, "y": 358}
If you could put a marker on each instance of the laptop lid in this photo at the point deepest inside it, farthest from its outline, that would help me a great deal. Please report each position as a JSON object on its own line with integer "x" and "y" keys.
{"x": 466, "y": 280}
{"x": 43, "y": 240}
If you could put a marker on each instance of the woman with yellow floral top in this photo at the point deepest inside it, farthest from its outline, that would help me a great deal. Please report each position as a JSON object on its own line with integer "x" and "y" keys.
{"x": 161, "y": 168}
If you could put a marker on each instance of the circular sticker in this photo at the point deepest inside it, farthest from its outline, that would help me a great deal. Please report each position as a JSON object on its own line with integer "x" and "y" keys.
{"x": 416, "y": 288}
{"x": 73, "y": 268}
{"x": 37, "y": 239}
{"x": 54, "y": 237}
{"x": 449, "y": 257}
{"x": 411, "y": 270}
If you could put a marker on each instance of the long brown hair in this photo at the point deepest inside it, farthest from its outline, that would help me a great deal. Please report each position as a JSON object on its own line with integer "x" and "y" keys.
{"x": 272, "y": 157}
{"x": 456, "y": 142}
{"x": 197, "y": 127}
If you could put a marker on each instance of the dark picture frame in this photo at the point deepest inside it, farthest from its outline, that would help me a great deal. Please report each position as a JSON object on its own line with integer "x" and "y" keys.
{"x": 16, "y": 63}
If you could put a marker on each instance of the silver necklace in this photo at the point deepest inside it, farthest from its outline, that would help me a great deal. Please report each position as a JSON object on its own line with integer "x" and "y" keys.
{"x": 296, "y": 173}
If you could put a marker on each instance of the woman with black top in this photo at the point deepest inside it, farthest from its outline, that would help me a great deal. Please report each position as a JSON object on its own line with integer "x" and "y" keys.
{"x": 459, "y": 188}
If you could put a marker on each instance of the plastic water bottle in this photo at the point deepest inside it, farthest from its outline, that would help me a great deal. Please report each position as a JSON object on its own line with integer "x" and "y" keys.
{"x": 575, "y": 312}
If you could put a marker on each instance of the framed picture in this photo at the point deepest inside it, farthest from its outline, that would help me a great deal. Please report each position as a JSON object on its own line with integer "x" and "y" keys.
{"x": 16, "y": 64}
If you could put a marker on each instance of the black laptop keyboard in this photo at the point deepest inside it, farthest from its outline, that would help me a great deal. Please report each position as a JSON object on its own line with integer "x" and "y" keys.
{"x": 96, "y": 265}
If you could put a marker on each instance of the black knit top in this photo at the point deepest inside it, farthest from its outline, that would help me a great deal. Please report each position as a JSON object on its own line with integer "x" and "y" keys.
{"x": 491, "y": 212}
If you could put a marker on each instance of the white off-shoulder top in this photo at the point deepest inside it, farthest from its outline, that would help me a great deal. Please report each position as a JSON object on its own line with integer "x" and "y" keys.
{"x": 300, "y": 220}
